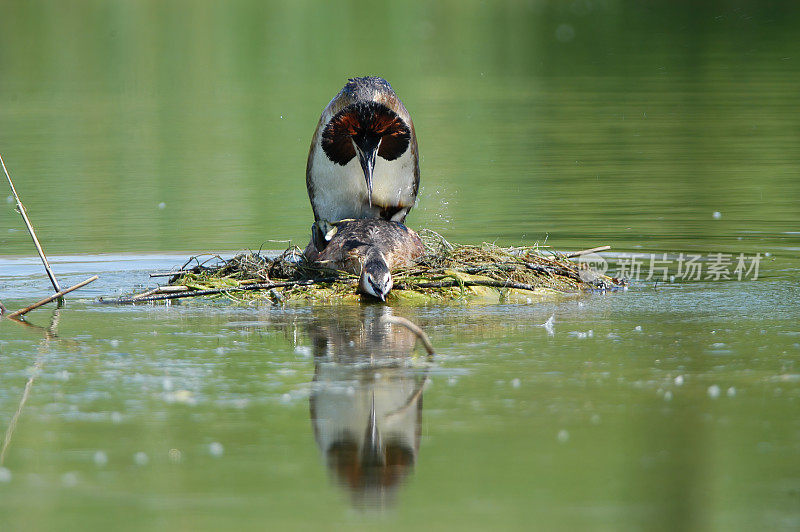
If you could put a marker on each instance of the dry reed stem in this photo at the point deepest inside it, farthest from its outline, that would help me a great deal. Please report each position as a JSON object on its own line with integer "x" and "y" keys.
{"x": 36, "y": 243}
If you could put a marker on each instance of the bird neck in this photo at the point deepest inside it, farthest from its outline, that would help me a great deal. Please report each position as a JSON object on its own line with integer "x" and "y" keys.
{"x": 375, "y": 260}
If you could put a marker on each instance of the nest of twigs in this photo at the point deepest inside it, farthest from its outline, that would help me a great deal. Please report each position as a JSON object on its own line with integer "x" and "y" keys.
{"x": 445, "y": 272}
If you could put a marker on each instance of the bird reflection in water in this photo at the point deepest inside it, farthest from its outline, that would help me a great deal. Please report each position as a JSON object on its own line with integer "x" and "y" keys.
{"x": 366, "y": 402}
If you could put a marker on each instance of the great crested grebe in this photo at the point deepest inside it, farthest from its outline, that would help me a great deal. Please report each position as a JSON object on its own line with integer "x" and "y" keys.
{"x": 369, "y": 247}
{"x": 363, "y": 161}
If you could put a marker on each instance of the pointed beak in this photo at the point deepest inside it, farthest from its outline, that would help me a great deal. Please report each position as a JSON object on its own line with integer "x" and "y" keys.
{"x": 371, "y": 453}
{"x": 367, "y": 149}
{"x": 377, "y": 290}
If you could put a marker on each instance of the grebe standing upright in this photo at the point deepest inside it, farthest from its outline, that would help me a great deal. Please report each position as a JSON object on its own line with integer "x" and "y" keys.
{"x": 363, "y": 161}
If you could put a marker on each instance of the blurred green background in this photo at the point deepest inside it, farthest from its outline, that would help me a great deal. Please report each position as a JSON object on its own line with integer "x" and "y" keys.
{"x": 593, "y": 122}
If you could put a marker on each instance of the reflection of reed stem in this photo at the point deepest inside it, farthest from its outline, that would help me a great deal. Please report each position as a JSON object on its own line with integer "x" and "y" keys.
{"x": 10, "y": 430}
{"x": 50, "y": 333}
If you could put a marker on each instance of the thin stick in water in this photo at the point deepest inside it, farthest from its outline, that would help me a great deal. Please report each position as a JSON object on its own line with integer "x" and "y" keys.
{"x": 169, "y": 274}
{"x": 21, "y": 209}
{"x": 167, "y": 289}
{"x": 46, "y": 300}
{"x": 586, "y": 252}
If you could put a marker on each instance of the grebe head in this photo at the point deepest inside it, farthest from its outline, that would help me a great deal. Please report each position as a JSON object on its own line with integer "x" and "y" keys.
{"x": 376, "y": 279}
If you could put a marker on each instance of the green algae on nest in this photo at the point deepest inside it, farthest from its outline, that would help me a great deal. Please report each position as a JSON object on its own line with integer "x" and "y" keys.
{"x": 446, "y": 272}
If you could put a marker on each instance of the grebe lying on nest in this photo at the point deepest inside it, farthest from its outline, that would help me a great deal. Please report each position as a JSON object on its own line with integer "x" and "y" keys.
{"x": 369, "y": 248}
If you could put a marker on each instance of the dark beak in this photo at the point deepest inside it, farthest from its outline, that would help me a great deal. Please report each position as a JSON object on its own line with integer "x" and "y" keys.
{"x": 378, "y": 290}
{"x": 367, "y": 149}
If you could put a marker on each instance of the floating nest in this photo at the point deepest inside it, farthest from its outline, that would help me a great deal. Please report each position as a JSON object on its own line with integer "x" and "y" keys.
{"x": 446, "y": 272}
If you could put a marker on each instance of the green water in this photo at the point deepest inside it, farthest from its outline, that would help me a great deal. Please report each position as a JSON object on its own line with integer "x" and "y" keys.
{"x": 139, "y": 133}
